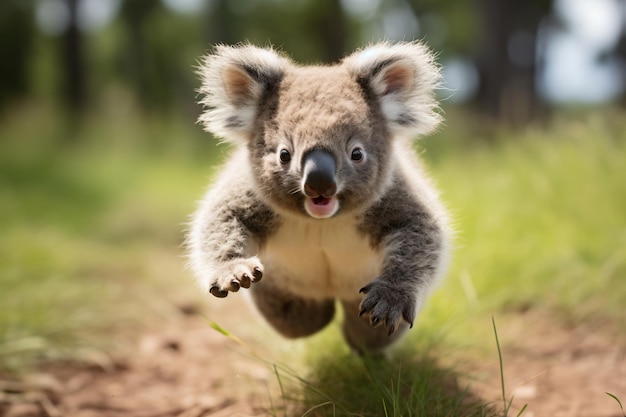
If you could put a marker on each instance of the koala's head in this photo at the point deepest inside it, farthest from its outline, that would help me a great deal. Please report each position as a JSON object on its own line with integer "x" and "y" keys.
{"x": 320, "y": 137}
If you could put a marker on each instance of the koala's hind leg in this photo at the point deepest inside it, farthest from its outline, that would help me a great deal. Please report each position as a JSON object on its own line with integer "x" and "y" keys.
{"x": 361, "y": 336}
{"x": 291, "y": 315}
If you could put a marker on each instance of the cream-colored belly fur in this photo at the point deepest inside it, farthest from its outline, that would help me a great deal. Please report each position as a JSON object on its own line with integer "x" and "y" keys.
{"x": 320, "y": 258}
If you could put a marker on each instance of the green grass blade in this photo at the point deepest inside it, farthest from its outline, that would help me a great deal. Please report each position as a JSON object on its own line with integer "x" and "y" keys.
{"x": 269, "y": 396}
{"x": 618, "y": 402}
{"x": 507, "y": 404}
{"x": 522, "y": 410}
{"x": 495, "y": 332}
{"x": 310, "y": 410}
{"x": 280, "y": 384}
{"x": 219, "y": 328}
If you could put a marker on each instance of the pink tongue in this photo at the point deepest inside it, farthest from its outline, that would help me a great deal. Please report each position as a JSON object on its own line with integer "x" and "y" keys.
{"x": 321, "y": 201}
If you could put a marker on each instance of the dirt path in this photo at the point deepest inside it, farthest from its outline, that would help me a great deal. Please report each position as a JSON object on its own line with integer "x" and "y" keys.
{"x": 184, "y": 368}
{"x": 558, "y": 370}
{"x": 187, "y": 369}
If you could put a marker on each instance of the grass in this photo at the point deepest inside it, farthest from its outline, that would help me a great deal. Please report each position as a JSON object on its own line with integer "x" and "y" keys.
{"x": 90, "y": 231}
{"x": 403, "y": 386}
{"x": 506, "y": 403}
{"x": 541, "y": 216}
{"x": 91, "y": 228}
{"x": 619, "y": 403}
{"x": 338, "y": 383}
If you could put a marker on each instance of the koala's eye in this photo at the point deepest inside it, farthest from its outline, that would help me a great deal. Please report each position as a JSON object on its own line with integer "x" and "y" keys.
{"x": 284, "y": 156}
{"x": 357, "y": 155}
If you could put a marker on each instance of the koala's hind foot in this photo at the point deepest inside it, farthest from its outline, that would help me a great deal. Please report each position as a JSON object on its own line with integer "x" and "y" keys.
{"x": 360, "y": 334}
{"x": 235, "y": 274}
{"x": 291, "y": 315}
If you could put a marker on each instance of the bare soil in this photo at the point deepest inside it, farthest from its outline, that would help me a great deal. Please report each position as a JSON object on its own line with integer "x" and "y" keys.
{"x": 557, "y": 369}
{"x": 187, "y": 369}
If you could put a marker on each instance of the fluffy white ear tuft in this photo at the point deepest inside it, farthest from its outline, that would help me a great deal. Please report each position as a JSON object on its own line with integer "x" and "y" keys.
{"x": 403, "y": 78}
{"x": 234, "y": 81}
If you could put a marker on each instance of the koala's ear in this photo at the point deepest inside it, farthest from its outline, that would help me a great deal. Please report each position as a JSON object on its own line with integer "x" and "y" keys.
{"x": 403, "y": 78}
{"x": 234, "y": 79}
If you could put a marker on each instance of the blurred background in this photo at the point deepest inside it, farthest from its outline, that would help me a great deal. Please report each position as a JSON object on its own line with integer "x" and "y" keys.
{"x": 510, "y": 61}
{"x": 101, "y": 161}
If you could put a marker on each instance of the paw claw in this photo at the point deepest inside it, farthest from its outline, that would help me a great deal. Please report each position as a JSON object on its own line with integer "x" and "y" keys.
{"x": 234, "y": 275}
{"x": 217, "y": 292}
{"x": 245, "y": 281}
{"x": 387, "y": 305}
{"x": 409, "y": 315}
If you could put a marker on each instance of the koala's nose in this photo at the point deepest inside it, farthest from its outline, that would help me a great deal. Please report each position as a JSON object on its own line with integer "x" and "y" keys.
{"x": 318, "y": 171}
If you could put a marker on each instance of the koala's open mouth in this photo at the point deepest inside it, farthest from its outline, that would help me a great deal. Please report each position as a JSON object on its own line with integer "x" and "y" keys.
{"x": 321, "y": 201}
{"x": 321, "y": 207}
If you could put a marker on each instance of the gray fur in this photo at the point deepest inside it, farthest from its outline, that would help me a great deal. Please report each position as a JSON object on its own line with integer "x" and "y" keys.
{"x": 377, "y": 245}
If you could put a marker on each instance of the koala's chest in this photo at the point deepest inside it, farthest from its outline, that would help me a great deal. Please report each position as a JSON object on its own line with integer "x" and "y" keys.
{"x": 319, "y": 259}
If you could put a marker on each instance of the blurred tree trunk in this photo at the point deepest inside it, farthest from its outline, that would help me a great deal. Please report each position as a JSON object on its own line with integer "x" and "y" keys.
{"x": 222, "y": 24}
{"x": 331, "y": 24}
{"x": 507, "y": 64}
{"x": 493, "y": 64}
{"x": 620, "y": 52}
{"x": 139, "y": 58}
{"x": 74, "y": 61}
{"x": 16, "y": 41}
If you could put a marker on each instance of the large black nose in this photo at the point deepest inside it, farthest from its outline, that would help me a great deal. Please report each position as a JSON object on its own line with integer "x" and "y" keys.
{"x": 318, "y": 170}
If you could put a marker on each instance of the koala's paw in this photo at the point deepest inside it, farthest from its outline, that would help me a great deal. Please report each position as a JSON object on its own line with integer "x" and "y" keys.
{"x": 387, "y": 305}
{"x": 235, "y": 274}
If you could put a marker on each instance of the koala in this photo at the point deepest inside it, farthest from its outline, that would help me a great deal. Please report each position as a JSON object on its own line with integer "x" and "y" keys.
{"x": 323, "y": 201}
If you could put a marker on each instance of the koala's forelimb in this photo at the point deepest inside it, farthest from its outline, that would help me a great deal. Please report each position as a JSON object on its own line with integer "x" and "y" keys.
{"x": 230, "y": 226}
{"x": 413, "y": 241}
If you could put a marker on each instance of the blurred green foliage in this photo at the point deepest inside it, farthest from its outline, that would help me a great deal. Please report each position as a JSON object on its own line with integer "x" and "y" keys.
{"x": 91, "y": 231}
{"x": 541, "y": 219}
